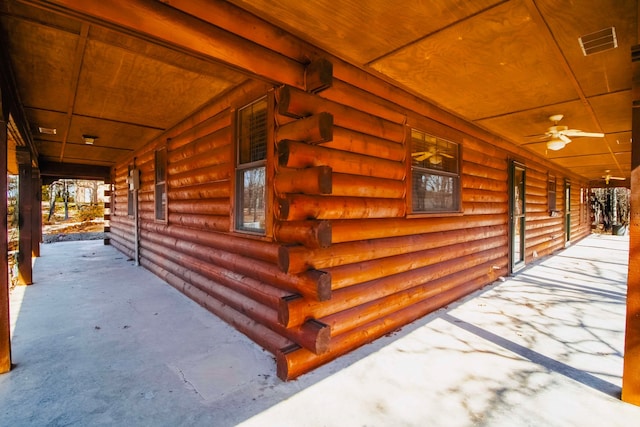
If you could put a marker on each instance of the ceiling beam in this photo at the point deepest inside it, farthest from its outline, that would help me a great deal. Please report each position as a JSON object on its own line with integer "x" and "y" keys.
{"x": 546, "y": 32}
{"x": 50, "y": 171}
{"x": 73, "y": 90}
{"x": 160, "y": 23}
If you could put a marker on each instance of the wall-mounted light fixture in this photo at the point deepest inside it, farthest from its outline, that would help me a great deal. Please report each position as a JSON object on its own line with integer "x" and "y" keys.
{"x": 89, "y": 139}
{"x": 47, "y": 131}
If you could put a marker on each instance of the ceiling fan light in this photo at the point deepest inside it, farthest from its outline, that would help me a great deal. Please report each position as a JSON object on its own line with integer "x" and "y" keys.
{"x": 555, "y": 144}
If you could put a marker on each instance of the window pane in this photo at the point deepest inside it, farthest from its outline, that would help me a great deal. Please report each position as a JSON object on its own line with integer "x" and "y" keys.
{"x": 251, "y": 199}
{"x": 161, "y": 201}
{"x": 252, "y": 132}
{"x": 430, "y": 152}
{"x": 434, "y": 193}
{"x": 161, "y": 165}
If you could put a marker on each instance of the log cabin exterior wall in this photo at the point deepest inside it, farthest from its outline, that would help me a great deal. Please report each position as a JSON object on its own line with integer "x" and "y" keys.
{"x": 343, "y": 260}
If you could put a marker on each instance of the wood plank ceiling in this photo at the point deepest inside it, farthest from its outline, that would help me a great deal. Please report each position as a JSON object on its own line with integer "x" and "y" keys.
{"x": 504, "y": 65}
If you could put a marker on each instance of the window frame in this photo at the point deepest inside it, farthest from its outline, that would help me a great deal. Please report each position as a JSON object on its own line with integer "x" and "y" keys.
{"x": 130, "y": 193}
{"x": 552, "y": 194}
{"x": 242, "y": 167}
{"x": 456, "y": 194}
{"x": 160, "y": 185}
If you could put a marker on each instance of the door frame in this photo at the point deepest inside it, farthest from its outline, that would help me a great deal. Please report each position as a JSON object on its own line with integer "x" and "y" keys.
{"x": 517, "y": 258}
{"x": 567, "y": 211}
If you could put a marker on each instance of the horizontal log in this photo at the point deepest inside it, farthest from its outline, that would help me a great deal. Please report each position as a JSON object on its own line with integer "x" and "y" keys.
{"x": 216, "y": 156}
{"x": 201, "y": 176}
{"x": 124, "y": 236}
{"x": 296, "y": 259}
{"x": 344, "y": 184}
{"x": 349, "y": 319}
{"x": 483, "y": 208}
{"x": 295, "y": 312}
{"x": 122, "y": 220}
{"x": 201, "y": 206}
{"x": 292, "y": 363}
{"x": 344, "y": 93}
{"x": 352, "y": 274}
{"x": 353, "y": 230}
{"x": 312, "y": 234}
{"x": 313, "y": 284}
{"x": 203, "y": 136}
{"x": 231, "y": 243}
{"x": 207, "y": 190}
{"x": 360, "y": 143}
{"x": 485, "y": 156}
{"x": 121, "y": 247}
{"x": 298, "y": 155}
{"x": 312, "y": 335}
{"x": 252, "y": 288}
{"x": 313, "y": 180}
{"x": 294, "y": 207}
{"x": 296, "y": 103}
{"x": 257, "y": 332}
{"x": 205, "y": 222}
{"x": 190, "y": 34}
{"x": 314, "y": 129}
{"x": 471, "y": 182}
{"x": 474, "y": 195}
{"x": 482, "y": 171}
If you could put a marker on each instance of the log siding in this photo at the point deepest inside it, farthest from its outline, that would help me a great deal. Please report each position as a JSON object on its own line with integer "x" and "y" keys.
{"x": 342, "y": 261}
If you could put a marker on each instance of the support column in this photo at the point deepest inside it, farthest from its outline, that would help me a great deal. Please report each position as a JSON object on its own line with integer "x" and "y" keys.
{"x": 631, "y": 371}
{"x": 37, "y": 213}
{"x": 107, "y": 214}
{"x": 5, "y": 330}
{"x": 25, "y": 219}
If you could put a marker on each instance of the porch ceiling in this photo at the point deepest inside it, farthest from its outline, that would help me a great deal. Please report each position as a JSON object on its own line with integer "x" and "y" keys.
{"x": 504, "y": 65}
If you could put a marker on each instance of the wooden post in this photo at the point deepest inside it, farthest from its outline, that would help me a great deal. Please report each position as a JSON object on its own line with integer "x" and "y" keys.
{"x": 5, "y": 330}
{"x": 37, "y": 213}
{"x": 107, "y": 214}
{"x": 25, "y": 197}
{"x": 631, "y": 370}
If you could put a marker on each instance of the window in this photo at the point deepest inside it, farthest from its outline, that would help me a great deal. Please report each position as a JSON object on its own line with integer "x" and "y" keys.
{"x": 551, "y": 193}
{"x": 251, "y": 167}
{"x": 161, "y": 184}
{"x": 435, "y": 174}
{"x": 130, "y": 196}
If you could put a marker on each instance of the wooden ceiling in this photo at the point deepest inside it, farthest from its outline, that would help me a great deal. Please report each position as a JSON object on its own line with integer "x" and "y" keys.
{"x": 504, "y": 65}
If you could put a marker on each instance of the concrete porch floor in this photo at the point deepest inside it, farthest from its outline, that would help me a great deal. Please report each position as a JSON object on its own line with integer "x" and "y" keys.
{"x": 98, "y": 341}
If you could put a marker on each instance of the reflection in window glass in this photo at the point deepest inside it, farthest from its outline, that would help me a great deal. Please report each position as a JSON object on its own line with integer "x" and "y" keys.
{"x": 435, "y": 177}
{"x": 251, "y": 171}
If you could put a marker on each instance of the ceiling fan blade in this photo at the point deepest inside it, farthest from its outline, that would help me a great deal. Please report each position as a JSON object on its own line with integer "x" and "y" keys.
{"x": 576, "y": 132}
{"x": 448, "y": 156}
{"x": 617, "y": 178}
{"x": 564, "y": 137}
{"x": 538, "y": 137}
{"x": 423, "y": 157}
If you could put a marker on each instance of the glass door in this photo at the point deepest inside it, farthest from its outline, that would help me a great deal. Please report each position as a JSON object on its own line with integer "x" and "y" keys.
{"x": 567, "y": 211}
{"x": 517, "y": 213}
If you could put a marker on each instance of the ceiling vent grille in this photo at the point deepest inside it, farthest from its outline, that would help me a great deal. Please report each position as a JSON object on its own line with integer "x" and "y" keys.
{"x": 599, "y": 41}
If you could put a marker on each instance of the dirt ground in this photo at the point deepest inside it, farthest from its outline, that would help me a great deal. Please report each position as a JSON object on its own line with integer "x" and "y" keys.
{"x": 72, "y": 230}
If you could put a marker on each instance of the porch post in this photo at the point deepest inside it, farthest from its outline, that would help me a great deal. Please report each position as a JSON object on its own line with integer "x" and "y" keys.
{"x": 631, "y": 371}
{"x": 36, "y": 217}
{"x": 5, "y": 331}
{"x": 25, "y": 219}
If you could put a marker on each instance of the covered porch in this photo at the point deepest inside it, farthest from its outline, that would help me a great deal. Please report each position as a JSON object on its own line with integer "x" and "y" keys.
{"x": 99, "y": 341}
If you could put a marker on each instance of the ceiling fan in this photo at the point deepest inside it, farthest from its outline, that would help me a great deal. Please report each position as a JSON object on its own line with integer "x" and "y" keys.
{"x": 607, "y": 177}
{"x": 435, "y": 156}
{"x": 558, "y": 136}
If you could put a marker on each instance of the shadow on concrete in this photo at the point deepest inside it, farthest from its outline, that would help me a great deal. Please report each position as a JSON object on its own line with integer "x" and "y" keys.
{"x": 98, "y": 341}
